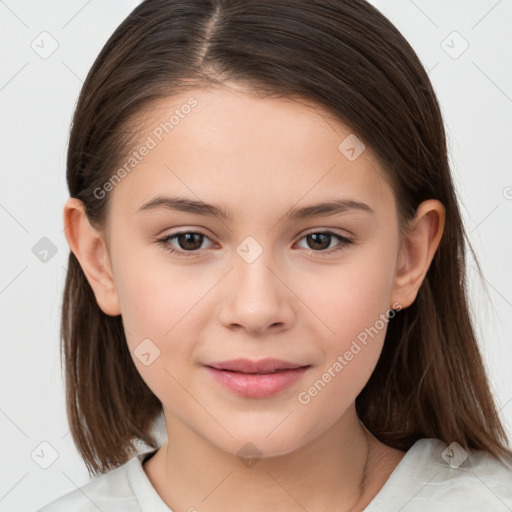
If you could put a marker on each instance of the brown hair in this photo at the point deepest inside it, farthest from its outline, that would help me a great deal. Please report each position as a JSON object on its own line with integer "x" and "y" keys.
{"x": 347, "y": 58}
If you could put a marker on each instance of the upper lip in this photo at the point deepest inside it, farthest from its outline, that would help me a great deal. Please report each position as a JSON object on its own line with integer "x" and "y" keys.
{"x": 248, "y": 366}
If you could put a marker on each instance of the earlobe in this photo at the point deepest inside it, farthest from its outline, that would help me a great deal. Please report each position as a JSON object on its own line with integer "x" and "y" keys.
{"x": 417, "y": 251}
{"x": 89, "y": 247}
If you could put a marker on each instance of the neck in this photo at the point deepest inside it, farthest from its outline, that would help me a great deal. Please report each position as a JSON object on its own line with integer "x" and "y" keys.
{"x": 335, "y": 471}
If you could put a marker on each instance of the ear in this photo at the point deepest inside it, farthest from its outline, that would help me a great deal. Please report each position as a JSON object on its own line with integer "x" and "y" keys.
{"x": 89, "y": 247}
{"x": 417, "y": 250}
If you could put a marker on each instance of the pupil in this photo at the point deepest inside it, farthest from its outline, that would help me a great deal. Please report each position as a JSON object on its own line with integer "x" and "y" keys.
{"x": 323, "y": 237}
{"x": 189, "y": 242}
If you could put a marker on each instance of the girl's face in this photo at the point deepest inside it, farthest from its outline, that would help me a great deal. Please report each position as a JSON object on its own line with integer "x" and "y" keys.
{"x": 257, "y": 276}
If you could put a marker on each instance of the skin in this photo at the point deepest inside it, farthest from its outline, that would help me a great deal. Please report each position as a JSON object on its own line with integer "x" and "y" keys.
{"x": 258, "y": 158}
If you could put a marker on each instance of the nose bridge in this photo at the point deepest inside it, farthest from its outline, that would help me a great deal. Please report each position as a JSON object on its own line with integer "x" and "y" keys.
{"x": 252, "y": 264}
{"x": 257, "y": 298}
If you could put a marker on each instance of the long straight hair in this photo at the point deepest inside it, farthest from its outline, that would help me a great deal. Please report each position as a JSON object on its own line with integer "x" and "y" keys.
{"x": 348, "y": 59}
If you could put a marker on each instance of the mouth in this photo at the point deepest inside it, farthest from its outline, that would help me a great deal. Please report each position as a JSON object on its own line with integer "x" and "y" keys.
{"x": 254, "y": 373}
{"x": 256, "y": 379}
{"x": 263, "y": 366}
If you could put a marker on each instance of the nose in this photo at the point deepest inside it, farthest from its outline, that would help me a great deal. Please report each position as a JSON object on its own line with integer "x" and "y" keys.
{"x": 256, "y": 296}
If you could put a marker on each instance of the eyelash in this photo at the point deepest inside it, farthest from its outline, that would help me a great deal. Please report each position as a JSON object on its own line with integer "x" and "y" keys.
{"x": 164, "y": 242}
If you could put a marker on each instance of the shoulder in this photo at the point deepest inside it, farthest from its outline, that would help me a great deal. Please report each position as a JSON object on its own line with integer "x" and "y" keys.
{"x": 108, "y": 492}
{"x": 434, "y": 475}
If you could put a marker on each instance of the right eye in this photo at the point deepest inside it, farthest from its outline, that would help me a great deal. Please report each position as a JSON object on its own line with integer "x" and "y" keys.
{"x": 189, "y": 243}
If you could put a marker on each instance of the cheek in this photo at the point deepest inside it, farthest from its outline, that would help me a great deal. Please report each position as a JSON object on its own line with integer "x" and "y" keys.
{"x": 358, "y": 319}
{"x": 351, "y": 296}
{"x": 353, "y": 303}
{"x": 163, "y": 303}
{"x": 155, "y": 297}
{"x": 159, "y": 317}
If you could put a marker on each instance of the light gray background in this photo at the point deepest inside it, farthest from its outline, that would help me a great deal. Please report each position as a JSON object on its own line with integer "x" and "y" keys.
{"x": 37, "y": 97}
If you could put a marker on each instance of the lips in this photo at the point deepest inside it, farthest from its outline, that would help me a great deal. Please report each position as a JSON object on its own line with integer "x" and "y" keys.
{"x": 263, "y": 366}
{"x": 256, "y": 379}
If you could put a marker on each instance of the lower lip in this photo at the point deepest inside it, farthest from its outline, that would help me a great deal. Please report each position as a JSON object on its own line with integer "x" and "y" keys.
{"x": 257, "y": 385}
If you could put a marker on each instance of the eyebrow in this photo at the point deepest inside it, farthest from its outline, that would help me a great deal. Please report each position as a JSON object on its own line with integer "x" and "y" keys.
{"x": 181, "y": 204}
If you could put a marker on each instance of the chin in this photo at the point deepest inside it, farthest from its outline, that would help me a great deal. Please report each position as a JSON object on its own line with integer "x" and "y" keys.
{"x": 260, "y": 445}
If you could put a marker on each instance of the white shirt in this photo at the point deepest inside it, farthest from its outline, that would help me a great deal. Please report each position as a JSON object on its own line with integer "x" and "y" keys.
{"x": 421, "y": 482}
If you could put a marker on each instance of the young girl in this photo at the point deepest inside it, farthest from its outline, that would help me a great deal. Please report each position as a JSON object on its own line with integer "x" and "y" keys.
{"x": 268, "y": 255}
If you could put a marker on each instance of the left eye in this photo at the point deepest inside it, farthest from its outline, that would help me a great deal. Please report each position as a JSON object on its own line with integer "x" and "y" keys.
{"x": 190, "y": 242}
{"x": 321, "y": 240}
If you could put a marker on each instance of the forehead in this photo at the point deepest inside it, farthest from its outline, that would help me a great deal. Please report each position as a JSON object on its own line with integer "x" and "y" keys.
{"x": 230, "y": 147}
